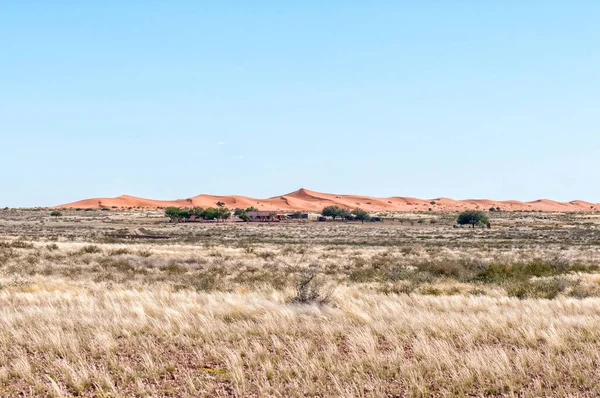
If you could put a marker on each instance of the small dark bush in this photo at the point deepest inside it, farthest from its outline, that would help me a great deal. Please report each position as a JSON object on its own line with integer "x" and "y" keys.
{"x": 90, "y": 249}
{"x": 52, "y": 247}
{"x": 472, "y": 217}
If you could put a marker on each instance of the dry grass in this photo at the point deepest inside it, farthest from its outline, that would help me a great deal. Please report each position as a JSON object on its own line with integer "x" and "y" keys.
{"x": 297, "y": 310}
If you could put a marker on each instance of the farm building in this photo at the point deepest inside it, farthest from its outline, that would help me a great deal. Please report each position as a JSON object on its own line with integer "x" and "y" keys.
{"x": 266, "y": 215}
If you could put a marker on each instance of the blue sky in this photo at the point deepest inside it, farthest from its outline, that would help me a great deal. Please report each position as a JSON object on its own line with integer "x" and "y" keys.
{"x": 463, "y": 99}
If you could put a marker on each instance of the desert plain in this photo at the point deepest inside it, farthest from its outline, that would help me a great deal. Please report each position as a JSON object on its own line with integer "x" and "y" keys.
{"x": 409, "y": 307}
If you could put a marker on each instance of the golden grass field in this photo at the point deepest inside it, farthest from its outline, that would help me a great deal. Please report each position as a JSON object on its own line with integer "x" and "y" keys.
{"x": 412, "y": 307}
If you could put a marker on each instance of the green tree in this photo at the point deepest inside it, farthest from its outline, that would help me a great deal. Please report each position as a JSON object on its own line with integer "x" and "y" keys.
{"x": 211, "y": 214}
{"x": 331, "y": 211}
{"x": 334, "y": 212}
{"x": 344, "y": 214}
{"x": 361, "y": 215}
{"x": 198, "y": 212}
{"x": 223, "y": 213}
{"x": 251, "y": 208}
{"x": 472, "y": 217}
{"x": 55, "y": 213}
{"x": 177, "y": 213}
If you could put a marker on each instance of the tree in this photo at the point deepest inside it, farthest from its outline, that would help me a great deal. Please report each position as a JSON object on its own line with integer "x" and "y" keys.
{"x": 244, "y": 217}
{"x": 220, "y": 204}
{"x": 198, "y": 212}
{"x": 472, "y": 217}
{"x": 334, "y": 211}
{"x": 211, "y": 213}
{"x": 360, "y": 215}
{"x": 177, "y": 213}
{"x": 251, "y": 208}
{"x": 344, "y": 214}
{"x": 223, "y": 213}
{"x": 238, "y": 212}
{"x": 55, "y": 213}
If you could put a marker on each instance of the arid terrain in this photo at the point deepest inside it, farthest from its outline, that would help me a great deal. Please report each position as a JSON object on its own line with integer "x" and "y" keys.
{"x": 304, "y": 199}
{"x": 412, "y": 306}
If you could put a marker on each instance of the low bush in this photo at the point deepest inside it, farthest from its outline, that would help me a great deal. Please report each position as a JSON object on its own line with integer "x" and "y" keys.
{"x": 538, "y": 289}
{"x": 119, "y": 251}
{"x": 52, "y": 247}
{"x": 90, "y": 249}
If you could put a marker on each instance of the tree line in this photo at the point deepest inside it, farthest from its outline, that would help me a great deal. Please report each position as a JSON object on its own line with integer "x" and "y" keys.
{"x": 212, "y": 213}
{"x": 221, "y": 213}
{"x": 345, "y": 214}
{"x": 178, "y": 214}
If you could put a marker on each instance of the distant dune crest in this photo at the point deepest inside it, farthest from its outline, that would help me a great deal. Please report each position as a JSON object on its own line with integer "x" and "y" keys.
{"x": 304, "y": 199}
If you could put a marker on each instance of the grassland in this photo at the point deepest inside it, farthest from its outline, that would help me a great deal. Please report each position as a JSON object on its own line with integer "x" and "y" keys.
{"x": 412, "y": 307}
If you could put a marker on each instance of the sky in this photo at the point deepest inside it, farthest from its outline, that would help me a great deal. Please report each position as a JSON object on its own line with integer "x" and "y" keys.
{"x": 171, "y": 99}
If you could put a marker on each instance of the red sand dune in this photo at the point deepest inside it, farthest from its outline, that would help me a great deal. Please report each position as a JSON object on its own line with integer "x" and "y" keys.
{"x": 303, "y": 199}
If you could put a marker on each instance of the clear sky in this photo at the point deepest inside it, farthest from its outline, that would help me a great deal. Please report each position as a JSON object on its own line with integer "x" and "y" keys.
{"x": 170, "y": 99}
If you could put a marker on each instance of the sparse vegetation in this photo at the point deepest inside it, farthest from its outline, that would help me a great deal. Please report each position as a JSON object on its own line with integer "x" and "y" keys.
{"x": 223, "y": 309}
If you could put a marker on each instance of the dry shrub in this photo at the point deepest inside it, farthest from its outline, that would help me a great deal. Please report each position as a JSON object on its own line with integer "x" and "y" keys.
{"x": 312, "y": 290}
{"x": 90, "y": 249}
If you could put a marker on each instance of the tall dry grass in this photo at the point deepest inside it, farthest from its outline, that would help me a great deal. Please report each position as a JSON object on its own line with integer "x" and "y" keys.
{"x": 61, "y": 338}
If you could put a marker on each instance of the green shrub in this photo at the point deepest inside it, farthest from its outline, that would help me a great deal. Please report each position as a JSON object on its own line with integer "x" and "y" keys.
{"x": 472, "y": 217}
{"x": 177, "y": 213}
